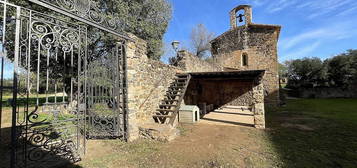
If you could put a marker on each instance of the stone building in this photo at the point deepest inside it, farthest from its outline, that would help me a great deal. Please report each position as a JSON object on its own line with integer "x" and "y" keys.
{"x": 243, "y": 73}
{"x": 250, "y": 46}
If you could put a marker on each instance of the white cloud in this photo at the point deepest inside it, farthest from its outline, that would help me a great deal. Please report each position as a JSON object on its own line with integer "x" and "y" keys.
{"x": 319, "y": 8}
{"x": 341, "y": 30}
{"x": 310, "y": 8}
{"x": 280, "y": 5}
{"x": 304, "y": 51}
{"x": 255, "y": 2}
{"x": 292, "y": 41}
{"x": 348, "y": 11}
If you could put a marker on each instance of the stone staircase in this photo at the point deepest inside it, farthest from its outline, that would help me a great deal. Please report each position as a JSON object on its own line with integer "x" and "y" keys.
{"x": 170, "y": 105}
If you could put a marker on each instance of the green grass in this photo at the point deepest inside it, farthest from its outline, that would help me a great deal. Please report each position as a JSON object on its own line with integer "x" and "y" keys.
{"x": 102, "y": 109}
{"x": 32, "y": 100}
{"x": 336, "y": 109}
{"x": 332, "y": 143}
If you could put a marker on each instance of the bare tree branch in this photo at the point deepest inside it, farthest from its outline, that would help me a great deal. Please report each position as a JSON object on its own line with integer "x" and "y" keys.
{"x": 200, "y": 41}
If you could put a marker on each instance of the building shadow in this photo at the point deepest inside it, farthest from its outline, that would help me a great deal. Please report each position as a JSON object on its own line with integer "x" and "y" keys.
{"x": 228, "y": 122}
{"x": 239, "y": 114}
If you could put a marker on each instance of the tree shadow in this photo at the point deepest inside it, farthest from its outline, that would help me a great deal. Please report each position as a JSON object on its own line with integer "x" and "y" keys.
{"x": 305, "y": 140}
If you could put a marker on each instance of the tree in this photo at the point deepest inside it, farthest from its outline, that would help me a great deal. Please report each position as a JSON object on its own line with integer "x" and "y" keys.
{"x": 147, "y": 19}
{"x": 342, "y": 69}
{"x": 338, "y": 71}
{"x": 200, "y": 40}
{"x": 283, "y": 70}
{"x": 306, "y": 72}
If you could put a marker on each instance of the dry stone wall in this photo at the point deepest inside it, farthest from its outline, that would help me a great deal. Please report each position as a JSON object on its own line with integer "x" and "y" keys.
{"x": 190, "y": 63}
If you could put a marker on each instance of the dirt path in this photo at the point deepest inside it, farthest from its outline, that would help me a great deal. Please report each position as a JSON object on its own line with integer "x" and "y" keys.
{"x": 201, "y": 145}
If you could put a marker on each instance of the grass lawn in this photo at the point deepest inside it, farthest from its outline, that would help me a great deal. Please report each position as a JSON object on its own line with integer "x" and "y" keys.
{"x": 315, "y": 133}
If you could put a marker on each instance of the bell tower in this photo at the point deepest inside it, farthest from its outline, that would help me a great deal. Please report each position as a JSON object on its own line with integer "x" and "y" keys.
{"x": 250, "y": 46}
{"x": 241, "y": 14}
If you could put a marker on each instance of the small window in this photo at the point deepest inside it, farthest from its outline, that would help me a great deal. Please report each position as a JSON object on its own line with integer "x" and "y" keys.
{"x": 244, "y": 59}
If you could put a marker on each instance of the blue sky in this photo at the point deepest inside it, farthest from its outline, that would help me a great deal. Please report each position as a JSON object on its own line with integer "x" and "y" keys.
{"x": 310, "y": 28}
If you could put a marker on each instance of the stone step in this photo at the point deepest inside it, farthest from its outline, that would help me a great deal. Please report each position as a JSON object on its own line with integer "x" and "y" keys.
{"x": 169, "y": 91}
{"x": 182, "y": 75}
{"x": 163, "y": 116}
{"x": 167, "y": 105}
{"x": 170, "y": 95}
{"x": 176, "y": 87}
{"x": 180, "y": 79}
{"x": 170, "y": 100}
{"x": 179, "y": 83}
{"x": 165, "y": 110}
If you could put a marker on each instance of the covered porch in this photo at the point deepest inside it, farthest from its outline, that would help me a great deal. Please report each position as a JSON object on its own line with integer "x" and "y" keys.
{"x": 228, "y": 97}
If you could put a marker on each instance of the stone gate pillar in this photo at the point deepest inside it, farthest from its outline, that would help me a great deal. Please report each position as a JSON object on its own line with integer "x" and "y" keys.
{"x": 258, "y": 108}
{"x": 135, "y": 53}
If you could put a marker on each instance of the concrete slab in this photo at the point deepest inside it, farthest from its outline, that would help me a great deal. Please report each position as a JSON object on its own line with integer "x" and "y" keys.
{"x": 229, "y": 116}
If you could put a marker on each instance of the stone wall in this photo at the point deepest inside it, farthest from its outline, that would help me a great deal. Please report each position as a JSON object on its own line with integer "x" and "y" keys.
{"x": 229, "y": 92}
{"x": 327, "y": 92}
{"x": 258, "y": 109}
{"x": 247, "y": 15}
{"x": 190, "y": 63}
{"x": 219, "y": 92}
{"x": 259, "y": 43}
{"x": 148, "y": 81}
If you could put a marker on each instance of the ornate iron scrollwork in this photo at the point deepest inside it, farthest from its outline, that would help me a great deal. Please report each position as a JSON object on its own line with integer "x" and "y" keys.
{"x": 49, "y": 131}
{"x": 104, "y": 97}
{"x": 89, "y": 10}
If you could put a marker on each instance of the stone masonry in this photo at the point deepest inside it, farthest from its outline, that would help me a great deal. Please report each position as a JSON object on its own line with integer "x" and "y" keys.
{"x": 148, "y": 81}
{"x": 190, "y": 63}
{"x": 258, "y": 42}
{"x": 258, "y": 109}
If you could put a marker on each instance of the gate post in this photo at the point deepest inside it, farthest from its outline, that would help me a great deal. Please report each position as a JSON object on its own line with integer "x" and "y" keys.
{"x": 14, "y": 100}
{"x": 258, "y": 108}
{"x": 132, "y": 131}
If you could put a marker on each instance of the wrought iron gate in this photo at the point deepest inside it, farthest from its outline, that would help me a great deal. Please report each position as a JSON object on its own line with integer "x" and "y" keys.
{"x": 59, "y": 96}
{"x": 106, "y": 95}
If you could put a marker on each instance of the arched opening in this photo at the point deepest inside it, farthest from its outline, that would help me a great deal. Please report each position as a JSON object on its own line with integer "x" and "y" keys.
{"x": 244, "y": 59}
{"x": 240, "y": 17}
